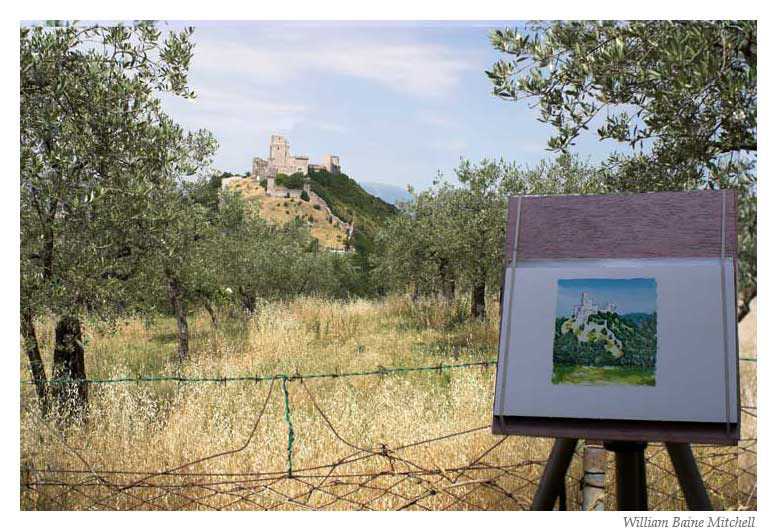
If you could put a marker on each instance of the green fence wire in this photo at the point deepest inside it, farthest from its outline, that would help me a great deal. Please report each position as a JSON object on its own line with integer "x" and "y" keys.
{"x": 286, "y": 378}
{"x": 259, "y": 378}
{"x": 288, "y": 421}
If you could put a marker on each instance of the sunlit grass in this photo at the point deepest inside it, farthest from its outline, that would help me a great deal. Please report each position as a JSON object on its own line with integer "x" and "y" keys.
{"x": 157, "y": 426}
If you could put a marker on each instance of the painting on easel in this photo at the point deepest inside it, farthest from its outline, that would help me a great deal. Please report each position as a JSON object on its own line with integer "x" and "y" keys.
{"x": 605, "y": 332}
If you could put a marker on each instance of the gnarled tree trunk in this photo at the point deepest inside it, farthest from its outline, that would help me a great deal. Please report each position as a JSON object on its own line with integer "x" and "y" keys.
{"x": 248, "y": 299}
{"x": 37, "y": 368}
{"x": 211, "y": 311}
{"x": 478, "y": 306}
{"x": 176, "y": 299}
{"x": 72, "y": 392}
{"x": 448, "y": 280}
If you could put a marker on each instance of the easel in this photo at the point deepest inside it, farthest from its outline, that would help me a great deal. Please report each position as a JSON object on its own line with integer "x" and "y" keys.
{"x": 570, "y": 229}
{"x": 630, "y": 478}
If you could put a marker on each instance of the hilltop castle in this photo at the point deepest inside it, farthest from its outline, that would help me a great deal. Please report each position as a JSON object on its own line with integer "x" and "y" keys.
{"x": 586, "y": 308}
{"x": 281, "y": 161}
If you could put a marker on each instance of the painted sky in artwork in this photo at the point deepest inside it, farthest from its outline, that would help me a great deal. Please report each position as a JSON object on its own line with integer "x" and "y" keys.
{"x": 631, "y": 295}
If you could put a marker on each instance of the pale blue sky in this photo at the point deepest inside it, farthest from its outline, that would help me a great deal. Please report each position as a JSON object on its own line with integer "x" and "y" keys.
{"x": 631, "y": 295}
{"x": 397, "y": 101}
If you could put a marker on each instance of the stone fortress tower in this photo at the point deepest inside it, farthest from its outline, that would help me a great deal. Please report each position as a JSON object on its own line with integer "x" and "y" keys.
{"x": 332, "y": 164}
{"x": 282, "y": 161}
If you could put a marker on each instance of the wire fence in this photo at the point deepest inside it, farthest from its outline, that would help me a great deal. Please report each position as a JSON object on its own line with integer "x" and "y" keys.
{"x": 485, "y": 472}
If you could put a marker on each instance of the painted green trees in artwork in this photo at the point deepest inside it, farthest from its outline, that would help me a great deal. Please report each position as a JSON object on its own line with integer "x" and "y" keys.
{"x": 637, "y": 333}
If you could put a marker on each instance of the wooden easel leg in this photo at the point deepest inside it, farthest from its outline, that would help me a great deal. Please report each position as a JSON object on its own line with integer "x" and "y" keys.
{"x": 696, "y": 497}
{"x": 552, "y": 482}
{"x": 643, "y": 495}
{"x": 630, "y": 476}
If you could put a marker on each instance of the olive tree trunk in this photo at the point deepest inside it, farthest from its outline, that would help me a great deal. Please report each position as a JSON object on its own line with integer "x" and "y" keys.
{"x": 211, "y": 311}
{"x": 248, "y": 300}
{"x": 176, "y": 300}
{"x": 69, "y": 388}
{"x": 448, "y": 281}
{"x": 478, "y": 306}
{"x": 37, "y": 368}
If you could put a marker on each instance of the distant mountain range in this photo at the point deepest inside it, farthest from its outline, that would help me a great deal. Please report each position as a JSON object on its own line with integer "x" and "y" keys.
{"x": 388, "y": 192}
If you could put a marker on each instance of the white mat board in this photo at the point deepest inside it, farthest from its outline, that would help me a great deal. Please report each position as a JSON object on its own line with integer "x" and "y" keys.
{"x": 690, "y": 371}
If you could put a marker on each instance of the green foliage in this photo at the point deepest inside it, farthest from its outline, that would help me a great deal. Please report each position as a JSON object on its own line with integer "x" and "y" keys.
{"x": 295, "y": 181}
{"x": 305, "y": 197}
{"x": 256, "y": 260}
{"x": 682, "y": 95}
{"x": 98, "y": 160}
{"x": 350, "y": 202}
{"x": 453, "y": 236}
{"x": 691, "y": 85}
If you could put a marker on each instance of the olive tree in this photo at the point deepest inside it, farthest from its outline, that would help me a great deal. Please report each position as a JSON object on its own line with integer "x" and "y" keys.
{"x": 413, "y": 249}
{"x": 680, "y": 96}
{"x": 454, "y": 234}
{"x": 98, "y": 160}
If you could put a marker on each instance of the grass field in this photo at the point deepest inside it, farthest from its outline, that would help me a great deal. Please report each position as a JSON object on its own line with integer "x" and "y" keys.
{"x": 146, "y": 428}
{"x": 603, "y": 375}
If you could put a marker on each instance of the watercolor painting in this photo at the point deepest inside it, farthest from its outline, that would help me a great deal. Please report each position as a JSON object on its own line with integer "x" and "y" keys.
{"x": 605, "y": 332}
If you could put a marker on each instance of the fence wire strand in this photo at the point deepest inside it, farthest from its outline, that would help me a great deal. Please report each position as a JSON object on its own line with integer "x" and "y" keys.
{"x": 405, "y": 476}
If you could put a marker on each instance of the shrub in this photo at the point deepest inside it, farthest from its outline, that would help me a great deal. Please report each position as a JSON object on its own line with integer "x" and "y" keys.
{"x": 304, "y": 196}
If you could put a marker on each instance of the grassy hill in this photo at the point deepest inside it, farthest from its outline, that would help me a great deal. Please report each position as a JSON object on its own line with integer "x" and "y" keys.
{"x": 350, "y": 202}
{"x": 279, "y": 211}
{"x": 347, "y": 199}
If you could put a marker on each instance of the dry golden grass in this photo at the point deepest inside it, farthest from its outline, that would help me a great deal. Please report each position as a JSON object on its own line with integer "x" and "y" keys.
{"x": 349, "y": 432}
{"x": 279, "y": 211}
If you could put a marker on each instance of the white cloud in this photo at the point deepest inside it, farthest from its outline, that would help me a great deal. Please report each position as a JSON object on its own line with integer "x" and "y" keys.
{"x": 217, "y": 106}
{"x": 422, "y": 69}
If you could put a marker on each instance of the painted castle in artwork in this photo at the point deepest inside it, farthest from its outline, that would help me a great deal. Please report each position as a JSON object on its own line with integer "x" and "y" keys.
{"x": 587, "y": 308}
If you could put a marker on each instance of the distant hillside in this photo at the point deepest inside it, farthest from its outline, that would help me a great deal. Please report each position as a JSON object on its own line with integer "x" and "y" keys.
{"x": 388, "y": 192}
{"x": 348, "y": 201}
{"x": 278, "y": 210}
